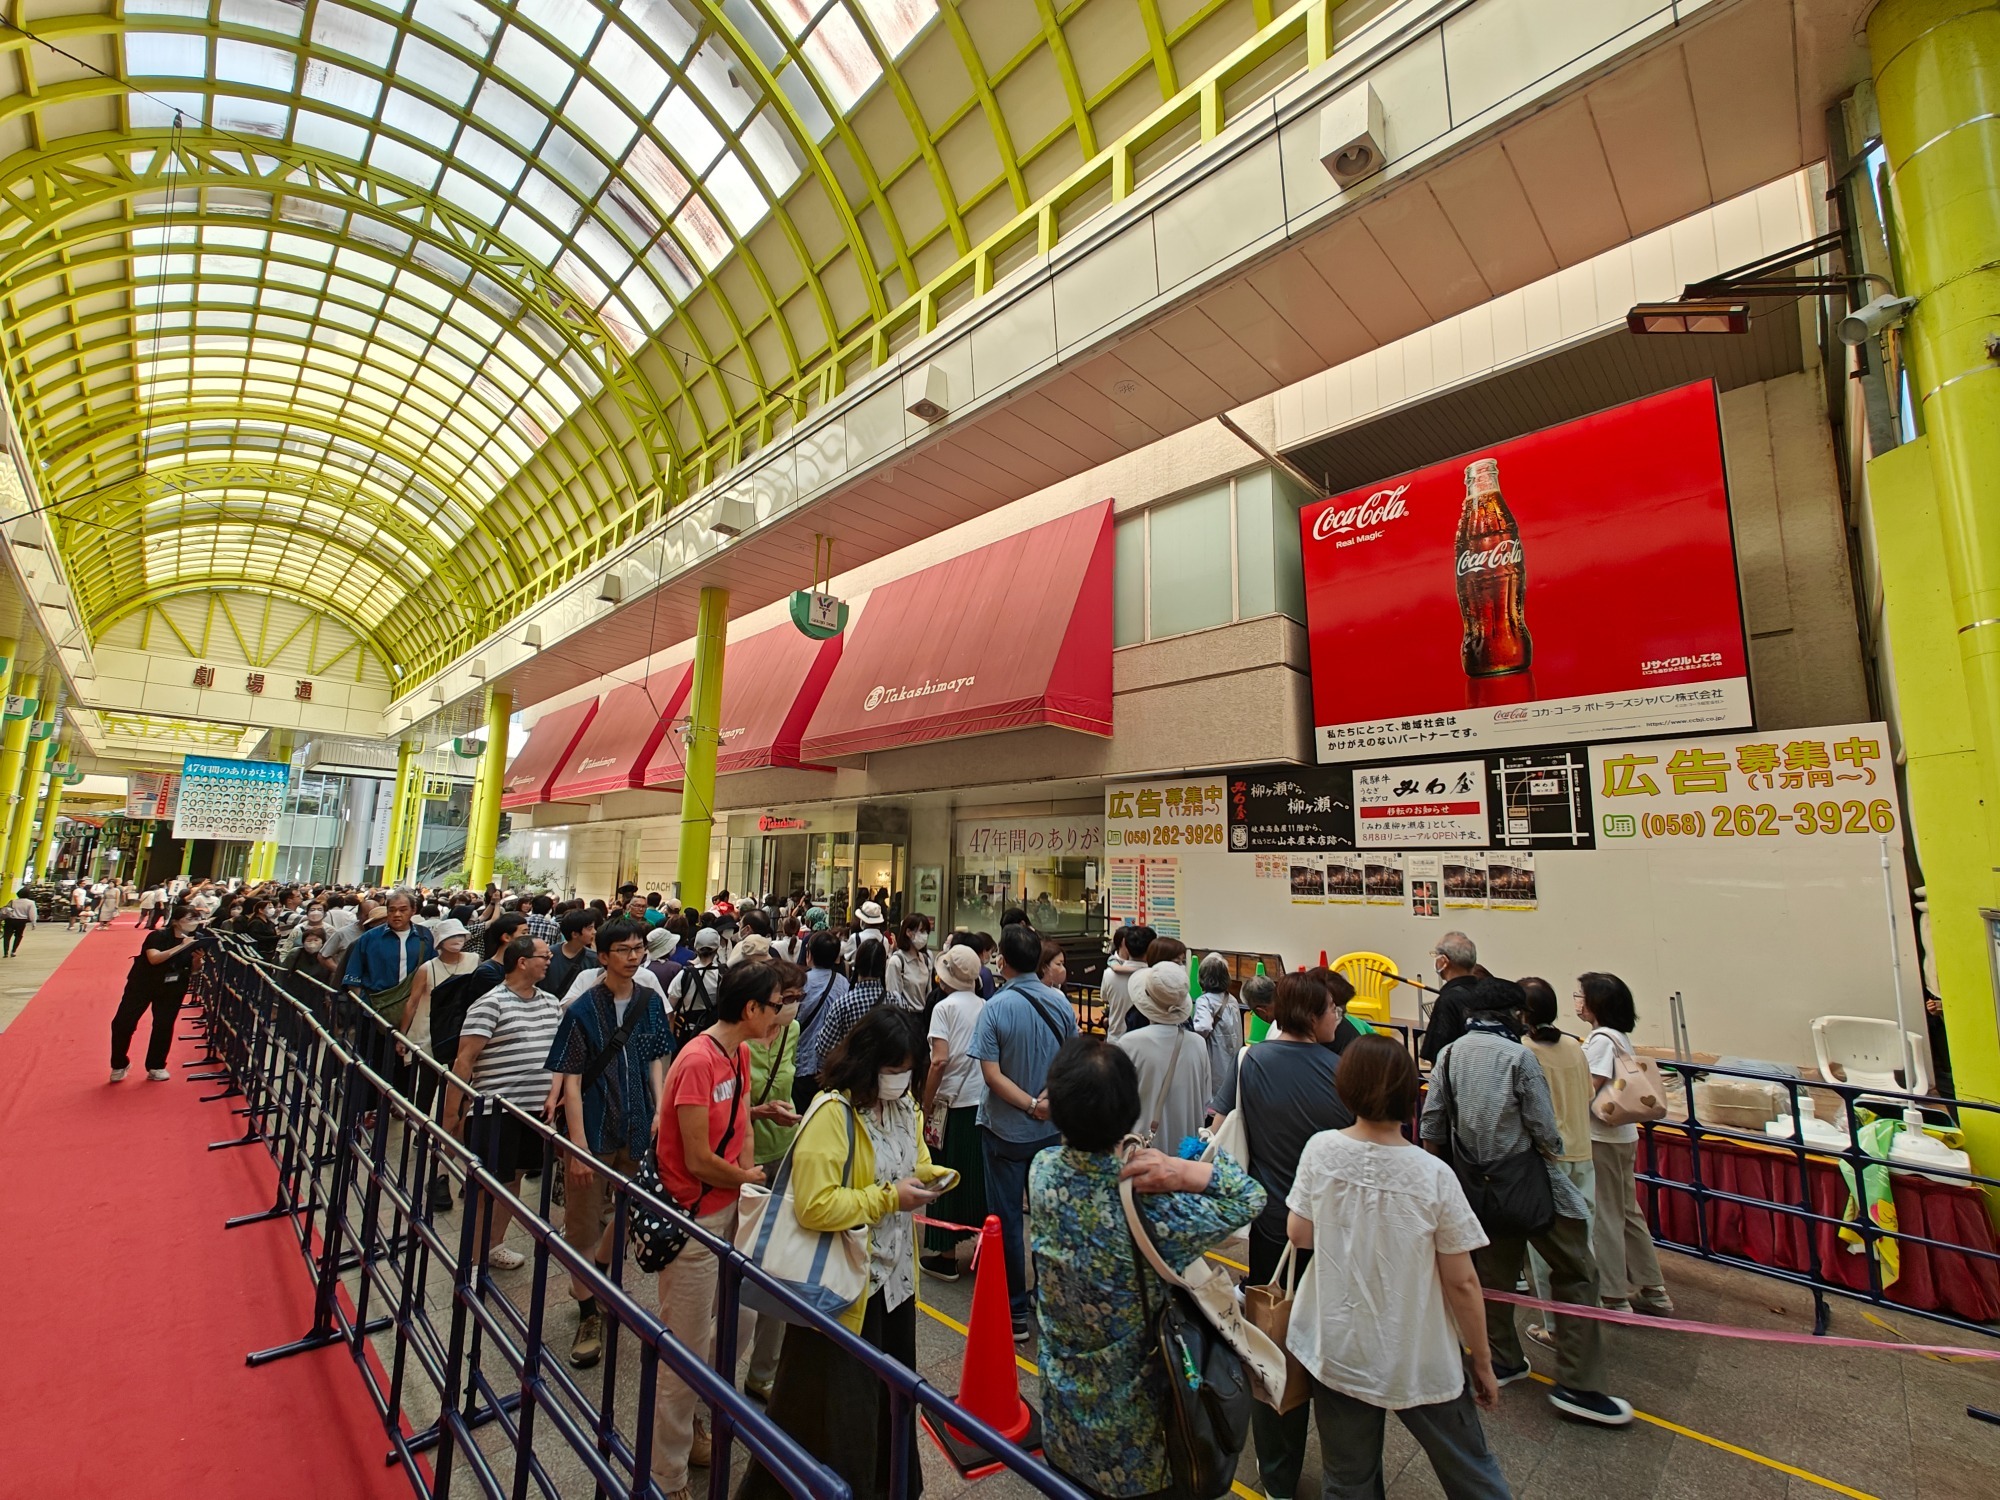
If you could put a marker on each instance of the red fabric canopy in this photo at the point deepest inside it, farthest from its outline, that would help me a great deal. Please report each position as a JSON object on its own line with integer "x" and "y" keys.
{"x": 1008, "y": 635}
{"x": 541, "y": 761}
{"x": 771, "y": 683}
{"x": 615, "y": 750}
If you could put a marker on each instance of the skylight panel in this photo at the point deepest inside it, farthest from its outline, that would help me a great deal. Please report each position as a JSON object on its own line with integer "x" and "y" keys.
{"x": 599, "y": 119}
{"x": 250, "y": 116}
{"x": 324, "y": 133}
{"x": 716, "y": 78}
{"x": 434, "y": 69}
{"x": 574, "y": 162}
{"x": 897, "y": 22}
{"x": 741, "y": 200}
{"x": 258, "y": 66}
{"x": 683, "y": 125}
{"x": 629, "y": 69}
{"x": 703, "y": 233}
{"x": 537, "y": 69}
{"x": 159, "y": 54}
{"x": 664, "y": 22}
{"x": 770, "y": 146}
{"x": 465, "y": 23}
{"x": 349, "y": 32}
{"x": 262, "y": 15}
{"x": 417, "y": 119}
{"x": 841, "y": 56}
{"x": 501, "y": 109}
{"x": 417, "y": 167}
{"x": 572, "y": 23}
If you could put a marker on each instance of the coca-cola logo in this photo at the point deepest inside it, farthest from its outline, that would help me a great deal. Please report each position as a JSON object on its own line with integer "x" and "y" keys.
{"x": 1507, "y": 554}
{"x": 1383, "y": 505}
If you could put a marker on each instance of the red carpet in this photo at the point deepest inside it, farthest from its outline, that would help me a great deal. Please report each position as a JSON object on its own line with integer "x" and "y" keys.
{"x": 125, "y": 1308}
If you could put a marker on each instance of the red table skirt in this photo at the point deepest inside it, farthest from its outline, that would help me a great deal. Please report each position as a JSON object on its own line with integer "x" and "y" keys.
{"x": 1931, "y": 1280}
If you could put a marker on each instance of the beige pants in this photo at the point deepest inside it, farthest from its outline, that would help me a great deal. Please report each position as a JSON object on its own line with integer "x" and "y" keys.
{"x": 1620, "y": 1238}
{"x": 584, "y": 1210}
{"x": 687, "y": 1307}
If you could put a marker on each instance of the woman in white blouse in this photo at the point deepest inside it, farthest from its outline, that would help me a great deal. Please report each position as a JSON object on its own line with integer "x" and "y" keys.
{"x": 1390, "y": 1294}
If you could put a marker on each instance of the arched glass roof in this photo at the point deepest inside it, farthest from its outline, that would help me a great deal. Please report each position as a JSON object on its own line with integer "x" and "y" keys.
{"x": 416, "y": 307}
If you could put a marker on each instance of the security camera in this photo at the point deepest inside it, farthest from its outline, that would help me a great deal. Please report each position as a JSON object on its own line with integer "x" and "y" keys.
{"x": 1861, "y": 325}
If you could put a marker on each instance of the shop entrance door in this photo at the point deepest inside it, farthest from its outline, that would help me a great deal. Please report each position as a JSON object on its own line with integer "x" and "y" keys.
{"x": 881, "y": 872}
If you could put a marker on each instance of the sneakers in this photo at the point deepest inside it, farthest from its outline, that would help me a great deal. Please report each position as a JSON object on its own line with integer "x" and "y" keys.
{"x": 701, "y": 1450}
{"x": 1542, "y": 1334}
{"x": 1592, "y": 1406}
{"x": 1654, "y": 1301}
{"x": 159, "y": 1075}
{"x": 1508, "y": 1374}
{"x": 940, "y": 1267}
{"x": 441, "y": 1201}
{"x": 683, "y": 1493}
{"x": 1022, "y": 1333}
{"x": 118, "y": 1074}
{"x": 758, "y": 1389}
{"x": 500, "y": 1258}
{"x": 588, "y": 1347}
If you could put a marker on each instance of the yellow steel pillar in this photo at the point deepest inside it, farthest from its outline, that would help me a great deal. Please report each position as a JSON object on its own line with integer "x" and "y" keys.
{"x": 482, "y": 834}
{"x": 263, "y": 859}
{"x": 1937, "y": 87}
{"x": 475, "y": 811}
{"x": 711, "y": 640}
{"x": 45, "y": 844}
{"x": 14, "y": 756}
{"x": 21, "y": 821}
{"x": 392, "y": 858}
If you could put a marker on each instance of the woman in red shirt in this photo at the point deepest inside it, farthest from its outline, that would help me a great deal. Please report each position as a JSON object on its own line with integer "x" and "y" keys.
{"x": 706, "y": 1154}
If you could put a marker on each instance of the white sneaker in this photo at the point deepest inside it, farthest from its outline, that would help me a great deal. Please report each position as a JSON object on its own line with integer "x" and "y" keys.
{"x": 118, "y": 1074}
{"x": 159, "y": 1075}
{"x": 500, "y": 1258}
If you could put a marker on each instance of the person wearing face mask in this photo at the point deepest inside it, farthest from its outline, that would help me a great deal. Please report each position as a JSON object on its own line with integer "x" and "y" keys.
{"x": 911, "y": 968}
{"x": 821, "y": 1396}
{"x": 1456, "y": 961}
{"x": 307, "y": 974}
{"x": 773, "y": 1070}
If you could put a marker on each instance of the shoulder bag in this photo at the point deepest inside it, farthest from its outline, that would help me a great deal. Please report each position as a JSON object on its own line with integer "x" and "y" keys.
{"x": 1635, "y": 1094}
{"x": 1166, "y": 1087}
{"x": 1207, "y": 1362}
{"x": 827, "y": 1269}
{"x": 657, "y": 1237}
{"x": 1510, "y": 1197}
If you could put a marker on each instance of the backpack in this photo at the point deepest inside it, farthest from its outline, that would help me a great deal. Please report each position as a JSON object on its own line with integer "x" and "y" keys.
{"x": 695, "y": 1011}
{"x": 449, "y": 1003}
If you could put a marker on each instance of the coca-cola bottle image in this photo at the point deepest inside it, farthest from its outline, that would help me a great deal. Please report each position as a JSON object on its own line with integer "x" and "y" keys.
{"x": 1492, "y": 579}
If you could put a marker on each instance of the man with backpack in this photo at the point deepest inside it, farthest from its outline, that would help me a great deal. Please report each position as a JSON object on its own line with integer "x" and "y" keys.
{"x": 610, "y": 1057}
{"x": 691, "y": 1000}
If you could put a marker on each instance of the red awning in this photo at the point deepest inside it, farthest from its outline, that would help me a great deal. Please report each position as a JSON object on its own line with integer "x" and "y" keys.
{"x": 1007, "y": 635}
{"x": 615, "y": 750}
{"x": 771, "y": 683}
{"x": 541, "y": 761}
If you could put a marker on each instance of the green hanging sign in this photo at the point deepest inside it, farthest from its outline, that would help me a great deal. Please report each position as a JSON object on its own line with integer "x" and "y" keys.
{"x": 41, "y": 730}
{"x": 71, "y": 775}
{"x": 818, "y": 615}
{"x": 21, "y": 708}
{"x": 466, "y": 749}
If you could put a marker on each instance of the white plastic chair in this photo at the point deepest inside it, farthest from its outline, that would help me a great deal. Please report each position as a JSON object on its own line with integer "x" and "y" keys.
{"x": 1866, "y": 1052}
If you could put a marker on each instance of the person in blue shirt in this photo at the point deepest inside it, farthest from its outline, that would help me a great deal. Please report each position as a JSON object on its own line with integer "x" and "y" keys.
{"x": 1019, "y": 1032}
{"x": 611, "y": 1118}
{"x": 825, "y": 988}
{"x": 381, "y": 964}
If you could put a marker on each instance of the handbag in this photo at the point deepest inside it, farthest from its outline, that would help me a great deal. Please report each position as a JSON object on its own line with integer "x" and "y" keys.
{"x": 1635, "y": 1094}
{"x": 1208, "y": 1382}
{"x": 658, "y": 1237}
{"x": 827, "y": 1269}
{"x": 1511, "y": 1197}
{"x": 1269, "y": 1308}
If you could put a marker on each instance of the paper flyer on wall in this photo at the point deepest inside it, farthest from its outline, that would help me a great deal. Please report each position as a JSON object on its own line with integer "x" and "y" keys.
{"x": 1308, "y": 880}
{"x": 1382, "y": 876}
{"x": 1273, "y": 867}
{"x": 1345, "y": 880}
{"x": 1145, "y": 892}
{"x": 1465, "y": 881}
{"x": 1426, "y": 874}
{"x": 1510, "y": 881}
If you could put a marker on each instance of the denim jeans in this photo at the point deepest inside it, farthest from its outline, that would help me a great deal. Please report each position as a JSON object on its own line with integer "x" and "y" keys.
{"x": 1350, "y": 1447}
{"x": 1007, "y": 1196}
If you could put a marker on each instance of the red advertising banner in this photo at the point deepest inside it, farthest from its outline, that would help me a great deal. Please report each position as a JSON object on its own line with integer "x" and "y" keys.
{"x": 1578, "y": 583}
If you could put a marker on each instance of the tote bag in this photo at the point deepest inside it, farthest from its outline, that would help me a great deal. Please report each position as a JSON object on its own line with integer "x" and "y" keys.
{"x": 1635, "y": 1094}
{"x": 1269, "y": 1308}
{"x": 828, "y": 1269}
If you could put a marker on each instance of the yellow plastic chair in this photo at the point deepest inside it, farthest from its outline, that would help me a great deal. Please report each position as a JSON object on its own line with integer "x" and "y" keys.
{"x": 1371, "y": 975}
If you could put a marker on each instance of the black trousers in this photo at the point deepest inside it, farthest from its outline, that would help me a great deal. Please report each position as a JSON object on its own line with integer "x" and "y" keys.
{"x": 11, "y": 929}
{"x": 166, "y": 1011}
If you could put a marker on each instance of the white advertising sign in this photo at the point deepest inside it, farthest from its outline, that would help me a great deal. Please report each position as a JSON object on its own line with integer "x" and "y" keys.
{"x": 1437, "y": 806}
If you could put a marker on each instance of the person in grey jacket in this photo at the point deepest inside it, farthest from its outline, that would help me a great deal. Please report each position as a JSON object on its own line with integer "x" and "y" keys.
{"x": 1490, "y": 1100}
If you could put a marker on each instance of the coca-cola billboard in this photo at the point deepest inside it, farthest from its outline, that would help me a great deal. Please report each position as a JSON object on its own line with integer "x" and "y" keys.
{"x": 1578, "y": 583}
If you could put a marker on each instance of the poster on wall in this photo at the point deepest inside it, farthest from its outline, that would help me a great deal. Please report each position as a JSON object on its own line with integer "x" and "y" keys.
{"x": 1540, "y": 801}
{"x": 1345, "y": 879}
{"x": 1145, "y": 892}
{"x": 1819, "y": 784}
{"x": 1291, "y": 807}
{"x": 1426, "y": 885}
{"x": 230, "y": 799}
{"x": 152, "y": 794}
{"x": 1575, "y": 584}
{"x": 1465, "y": 882}
{"x": 1308, "y": 880}
{"x": 1052, "y": 837}
{"x": 1382, "y": 878}
{"x": 1510, "y": 881}
{"x": 1433, "y": 806}
{"x": 1164, "y": 814}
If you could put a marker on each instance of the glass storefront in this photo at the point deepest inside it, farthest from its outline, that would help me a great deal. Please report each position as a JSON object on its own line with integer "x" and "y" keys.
{"x": 1049, "y": 865}
{"x": 835, "y": 857}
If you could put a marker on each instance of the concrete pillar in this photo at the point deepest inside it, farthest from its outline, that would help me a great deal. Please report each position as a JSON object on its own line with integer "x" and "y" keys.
{"x": 392, "y": 860}
{"x": 711, "y": 642}
{"x": 482, "y": 834}
{"x": 358, "y": 810}
{"x": 1937, "y": 88}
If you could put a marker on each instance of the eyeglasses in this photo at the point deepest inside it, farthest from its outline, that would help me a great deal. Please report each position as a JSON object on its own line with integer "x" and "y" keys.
{"x": 627, "y": 948}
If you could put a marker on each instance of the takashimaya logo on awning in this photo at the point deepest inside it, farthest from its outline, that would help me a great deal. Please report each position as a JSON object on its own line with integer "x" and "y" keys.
{"x": 879, "y": 695}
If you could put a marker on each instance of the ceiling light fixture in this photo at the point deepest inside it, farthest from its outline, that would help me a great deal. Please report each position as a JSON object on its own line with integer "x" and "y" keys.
{"x": 1689, "y": 317}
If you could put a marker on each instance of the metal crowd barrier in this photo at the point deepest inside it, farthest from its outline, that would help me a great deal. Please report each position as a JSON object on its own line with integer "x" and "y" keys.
{"x": 406, "y": 1293}
{"x": 1857, "y": 1104}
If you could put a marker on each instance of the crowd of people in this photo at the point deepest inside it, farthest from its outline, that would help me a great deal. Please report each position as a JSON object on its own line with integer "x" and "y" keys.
{"x": 893, "y": 1078}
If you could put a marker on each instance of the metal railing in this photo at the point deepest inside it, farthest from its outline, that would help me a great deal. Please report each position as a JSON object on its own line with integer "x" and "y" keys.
{"x": 427, "y": 1323}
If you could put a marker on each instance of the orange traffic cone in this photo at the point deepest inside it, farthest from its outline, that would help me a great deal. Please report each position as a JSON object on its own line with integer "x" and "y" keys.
{"x": 989, "y": 1384}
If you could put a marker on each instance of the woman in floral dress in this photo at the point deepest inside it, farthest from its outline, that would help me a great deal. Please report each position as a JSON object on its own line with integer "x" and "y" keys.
{"x": 1103, "y": 1421}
